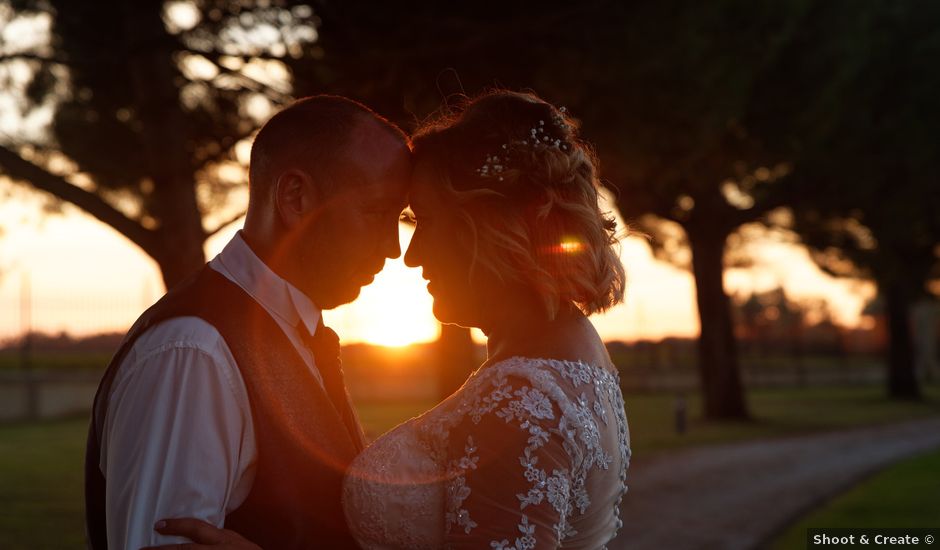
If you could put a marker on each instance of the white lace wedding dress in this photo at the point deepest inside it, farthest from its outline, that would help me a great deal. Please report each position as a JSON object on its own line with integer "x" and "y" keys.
{"x": 529, "y": 453}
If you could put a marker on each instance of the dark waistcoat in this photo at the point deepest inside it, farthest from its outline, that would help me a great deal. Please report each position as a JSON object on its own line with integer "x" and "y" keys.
{"x": 303, "y": 445}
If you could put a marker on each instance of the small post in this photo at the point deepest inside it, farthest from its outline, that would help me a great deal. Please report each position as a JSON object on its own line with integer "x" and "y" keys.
{"x": 681, "y": 414}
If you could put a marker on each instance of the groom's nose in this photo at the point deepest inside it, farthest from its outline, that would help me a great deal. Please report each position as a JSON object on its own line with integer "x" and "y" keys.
{"x": 411, "y": 255}
{"x": 391, "y": 248}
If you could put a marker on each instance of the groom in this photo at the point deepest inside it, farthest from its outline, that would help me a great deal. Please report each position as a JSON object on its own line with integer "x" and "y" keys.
{"x": 226, "y": 400}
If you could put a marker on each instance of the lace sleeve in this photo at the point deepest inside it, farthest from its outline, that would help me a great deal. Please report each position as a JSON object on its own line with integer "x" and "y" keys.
{"x": 509, "y": 483}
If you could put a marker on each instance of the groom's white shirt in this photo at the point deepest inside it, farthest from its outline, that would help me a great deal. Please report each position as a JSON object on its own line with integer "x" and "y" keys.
{"x": 178, "y": 439}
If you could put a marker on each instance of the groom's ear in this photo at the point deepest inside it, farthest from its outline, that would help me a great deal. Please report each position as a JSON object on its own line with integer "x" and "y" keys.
{"x": 295, "y": 196}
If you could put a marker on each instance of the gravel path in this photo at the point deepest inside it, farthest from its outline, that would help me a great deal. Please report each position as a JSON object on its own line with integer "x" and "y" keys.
{"x": 738, "y": 495}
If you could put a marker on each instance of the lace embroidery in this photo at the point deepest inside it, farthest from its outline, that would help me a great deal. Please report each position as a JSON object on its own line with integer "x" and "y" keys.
{"x": 599, "y": 409}
{"x": 540, "y": 401}
{"x": 576, "y": 373}
{"x": 525, "y": 542}
{"x": 491, "y": 401}
{"x": 532, "y": 403}
{"x": 457, "y": 490}
{"x": 590, "y": 434}
{"x": 384, "y": 508}
{"x": 537, "y": 435}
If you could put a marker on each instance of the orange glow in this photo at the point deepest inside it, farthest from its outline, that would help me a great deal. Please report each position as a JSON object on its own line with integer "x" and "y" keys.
{"x": 86, "y": 278}
{"x": 395, "y": 310}
{"x": 570, "y": 246}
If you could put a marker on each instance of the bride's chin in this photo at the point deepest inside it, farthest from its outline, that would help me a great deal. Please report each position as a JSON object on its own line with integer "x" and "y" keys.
{"x": 440, "y": 312}
{"x": 448, "y": 317}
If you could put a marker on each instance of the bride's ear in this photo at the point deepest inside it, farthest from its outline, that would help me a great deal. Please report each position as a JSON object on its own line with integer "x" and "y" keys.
{"x": 295, "y": 196}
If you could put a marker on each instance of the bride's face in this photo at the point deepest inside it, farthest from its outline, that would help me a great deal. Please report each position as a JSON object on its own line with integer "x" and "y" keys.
{"x": 439, "y": 248}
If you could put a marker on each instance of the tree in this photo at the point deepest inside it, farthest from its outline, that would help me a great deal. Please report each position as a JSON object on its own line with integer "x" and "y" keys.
{"x": 867, "y": 155}
{"x": 149, "y": 109}
{"x": 677, "y": 146}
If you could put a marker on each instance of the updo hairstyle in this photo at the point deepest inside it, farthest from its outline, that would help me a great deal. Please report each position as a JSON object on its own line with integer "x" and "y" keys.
{"x": 526, "y": 188}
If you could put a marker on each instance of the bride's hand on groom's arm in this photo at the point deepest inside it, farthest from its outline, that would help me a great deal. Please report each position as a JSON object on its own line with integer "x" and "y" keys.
{"x": 203, "y": 536}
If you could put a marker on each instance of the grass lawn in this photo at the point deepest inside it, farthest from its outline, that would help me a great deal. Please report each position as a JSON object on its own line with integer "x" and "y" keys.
{"x": 41, "y": 502}
{"x": 41, "y": 463}
{"x": 378, "y": 418}
{"x": 905, "y": 495}
{"x": 54, "y": 360}
{"x": 776, "y": 412}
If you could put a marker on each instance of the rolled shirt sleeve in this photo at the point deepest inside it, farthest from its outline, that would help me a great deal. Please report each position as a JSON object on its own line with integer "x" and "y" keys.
{"x": 178, "y": 438}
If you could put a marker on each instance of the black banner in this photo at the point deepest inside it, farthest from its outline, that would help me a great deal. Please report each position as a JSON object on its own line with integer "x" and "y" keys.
{"x": 893, "y": 537}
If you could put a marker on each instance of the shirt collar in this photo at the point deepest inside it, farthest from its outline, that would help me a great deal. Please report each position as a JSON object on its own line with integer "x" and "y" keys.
{"x": 276, "y": 295}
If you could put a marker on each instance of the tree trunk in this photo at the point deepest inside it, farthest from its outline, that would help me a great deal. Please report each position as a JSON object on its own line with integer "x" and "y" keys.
{"x": 717, "y": 355}
{"x": 456, "y": 358}
{"x": 166, "y": 138}
{"x": 183, "y": 256}
{"x": 902, "y": 380}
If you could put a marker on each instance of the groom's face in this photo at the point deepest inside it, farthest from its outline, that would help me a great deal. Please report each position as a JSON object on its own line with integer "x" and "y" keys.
{"x": 345, "y": 244}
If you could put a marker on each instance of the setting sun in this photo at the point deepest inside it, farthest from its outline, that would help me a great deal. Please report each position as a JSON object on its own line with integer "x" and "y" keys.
{"x": 395, "y": 310}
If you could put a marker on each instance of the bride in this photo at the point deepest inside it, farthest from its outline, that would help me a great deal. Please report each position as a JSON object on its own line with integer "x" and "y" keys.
{"x": 532, "y": 451}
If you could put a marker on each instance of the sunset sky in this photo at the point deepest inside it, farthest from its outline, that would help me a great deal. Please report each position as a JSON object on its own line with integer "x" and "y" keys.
{"x": 84, "y": 278}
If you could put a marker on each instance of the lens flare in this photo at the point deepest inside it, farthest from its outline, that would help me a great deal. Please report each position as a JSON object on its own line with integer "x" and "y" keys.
{"x": 567, "y": 245}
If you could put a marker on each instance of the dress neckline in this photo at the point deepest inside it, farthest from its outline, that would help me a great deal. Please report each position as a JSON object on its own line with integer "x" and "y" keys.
{"x": 566, "y": 363}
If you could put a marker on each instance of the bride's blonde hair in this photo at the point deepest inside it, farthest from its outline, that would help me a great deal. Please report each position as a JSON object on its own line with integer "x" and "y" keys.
{"x": 526, "y": 187}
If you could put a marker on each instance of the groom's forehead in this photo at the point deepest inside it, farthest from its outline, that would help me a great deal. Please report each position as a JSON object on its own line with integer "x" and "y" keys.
{"x": 376, "y": 175}
{"x": 384, "y": 159}
{"x": 382, "y": 191}
{"x": 370, "y": 138}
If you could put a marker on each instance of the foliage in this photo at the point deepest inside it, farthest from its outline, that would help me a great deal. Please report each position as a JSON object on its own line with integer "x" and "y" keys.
{"x": 150, "y": 107}
{"x": 864, "y": 143}
{"x": 863, "y": 136}
{"x": 904, "y": 495}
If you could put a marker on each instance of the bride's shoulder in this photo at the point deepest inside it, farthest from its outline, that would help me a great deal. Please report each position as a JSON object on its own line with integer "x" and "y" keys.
{"x": 497, "y": 384}
{"x": 548, "y": 372}
{"x": 539, "y": 384}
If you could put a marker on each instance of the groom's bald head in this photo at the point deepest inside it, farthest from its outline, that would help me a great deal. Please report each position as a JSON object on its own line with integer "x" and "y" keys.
{"x": 312, "y": 134}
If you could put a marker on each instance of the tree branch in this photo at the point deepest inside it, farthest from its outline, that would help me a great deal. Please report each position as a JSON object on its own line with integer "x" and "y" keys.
{"x": 760, "y": 208}
{"x": 252, "y": 84}
{"x": 31, "y": 57}
{"x": 17, "y": 167}
{"x": 214, "y": 54}
{"x": 201, "y": 163}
